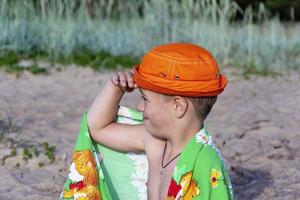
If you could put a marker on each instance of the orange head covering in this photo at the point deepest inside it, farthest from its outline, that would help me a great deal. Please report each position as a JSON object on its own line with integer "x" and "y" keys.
{"x": 180, "y": 69}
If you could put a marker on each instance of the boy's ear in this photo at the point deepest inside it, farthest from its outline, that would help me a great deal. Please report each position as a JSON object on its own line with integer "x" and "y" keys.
{"x": 180, "y": 106}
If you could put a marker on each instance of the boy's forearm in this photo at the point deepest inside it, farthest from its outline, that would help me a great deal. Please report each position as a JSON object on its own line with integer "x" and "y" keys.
{"x": 104, "y": 108}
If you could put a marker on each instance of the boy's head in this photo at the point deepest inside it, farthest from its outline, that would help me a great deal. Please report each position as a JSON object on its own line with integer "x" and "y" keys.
{"x": 180, "y": 79}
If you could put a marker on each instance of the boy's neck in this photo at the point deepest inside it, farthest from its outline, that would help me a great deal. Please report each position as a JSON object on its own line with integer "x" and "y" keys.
{"x": 180, "y": 138}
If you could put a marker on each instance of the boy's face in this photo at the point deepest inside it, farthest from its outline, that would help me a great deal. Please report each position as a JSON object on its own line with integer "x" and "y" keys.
{"x": 157, "y": 113}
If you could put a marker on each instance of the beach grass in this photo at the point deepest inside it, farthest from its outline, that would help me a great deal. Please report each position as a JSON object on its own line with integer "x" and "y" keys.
{"x": 115, "y": 33}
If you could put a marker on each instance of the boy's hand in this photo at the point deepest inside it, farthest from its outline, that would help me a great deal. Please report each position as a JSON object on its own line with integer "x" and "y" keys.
{"x": 124, "y": 81}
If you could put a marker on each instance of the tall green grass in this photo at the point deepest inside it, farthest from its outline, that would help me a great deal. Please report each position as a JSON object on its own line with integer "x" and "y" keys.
{"x": 61, "y": 29}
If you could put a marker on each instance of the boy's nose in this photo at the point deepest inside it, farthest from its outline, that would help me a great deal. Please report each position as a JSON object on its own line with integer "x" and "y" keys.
{"x": 141, "y": 106}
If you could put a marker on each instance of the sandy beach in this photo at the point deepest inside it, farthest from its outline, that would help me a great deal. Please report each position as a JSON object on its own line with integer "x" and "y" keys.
{"x": 255, "y": 123}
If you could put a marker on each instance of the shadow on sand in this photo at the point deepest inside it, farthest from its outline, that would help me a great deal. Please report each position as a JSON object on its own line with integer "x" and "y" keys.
{"x": 249, "y": 183}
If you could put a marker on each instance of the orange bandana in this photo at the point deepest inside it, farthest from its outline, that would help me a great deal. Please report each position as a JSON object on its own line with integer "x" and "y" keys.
{"x": 180, "y": 69}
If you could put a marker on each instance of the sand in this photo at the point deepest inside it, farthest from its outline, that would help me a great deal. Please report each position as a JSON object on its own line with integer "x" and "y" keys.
{"x": 255, "y": 123}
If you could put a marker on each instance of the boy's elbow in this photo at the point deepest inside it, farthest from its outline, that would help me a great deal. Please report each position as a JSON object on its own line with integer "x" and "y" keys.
{"x": 91, "y": 127}
{"x": 95, "y": 131}
{"x": 95, "y": 124}
{"x": 92, "y": 133}
{"x": 95, "y": 134}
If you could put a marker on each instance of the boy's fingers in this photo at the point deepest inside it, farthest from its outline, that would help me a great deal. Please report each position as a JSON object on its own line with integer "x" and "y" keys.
{"x": 129, "y": 79}
{"x": 114, "y": 80}
{"x": 122, "y": 79}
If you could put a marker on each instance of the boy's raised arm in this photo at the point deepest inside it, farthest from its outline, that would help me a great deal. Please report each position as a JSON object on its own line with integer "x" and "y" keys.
{"x": 102, "y": 114}
{"x": 104, "y": 108}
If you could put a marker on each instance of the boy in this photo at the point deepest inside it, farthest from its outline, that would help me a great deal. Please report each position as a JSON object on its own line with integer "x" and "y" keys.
{"x": 179, "y": 84}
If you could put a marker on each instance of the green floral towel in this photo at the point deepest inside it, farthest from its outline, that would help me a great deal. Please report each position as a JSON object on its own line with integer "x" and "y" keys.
{"x": 109, "y": 174}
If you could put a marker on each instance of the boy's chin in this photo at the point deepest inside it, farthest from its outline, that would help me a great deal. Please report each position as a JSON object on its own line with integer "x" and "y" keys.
{"x": 160, "y": 137}
{"x": 154, "y": 132}
{"x": 156, "y": 135}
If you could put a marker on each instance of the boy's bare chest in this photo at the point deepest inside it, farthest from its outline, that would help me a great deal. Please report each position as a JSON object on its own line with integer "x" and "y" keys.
{"x": 159, "y": 180}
